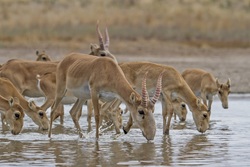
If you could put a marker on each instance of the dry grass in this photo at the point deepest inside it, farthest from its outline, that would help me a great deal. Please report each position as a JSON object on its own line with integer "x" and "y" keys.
{"x": 72, "y": 23}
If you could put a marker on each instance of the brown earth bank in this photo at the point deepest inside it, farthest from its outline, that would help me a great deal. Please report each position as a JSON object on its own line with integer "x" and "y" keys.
{"x": 223, "y": 63}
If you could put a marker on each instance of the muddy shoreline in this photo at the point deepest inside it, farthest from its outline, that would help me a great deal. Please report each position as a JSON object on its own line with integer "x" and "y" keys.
{"x": 223, "y": 63}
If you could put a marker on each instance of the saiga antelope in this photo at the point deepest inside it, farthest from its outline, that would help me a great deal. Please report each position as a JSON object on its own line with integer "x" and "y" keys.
{"x": 12, "y": 114}
{"x": 46, "y": 82}
{"x": 42, "y": 56}
{"x": 179, "y": 109}
{"x": 205, "y": 85}
{"x": 22, "y": 73}
{"x": 173, "y": 86}
{"x": 8, "y": 90}
{"x": 94, "y": 77}
{"x": 47, "y": 85}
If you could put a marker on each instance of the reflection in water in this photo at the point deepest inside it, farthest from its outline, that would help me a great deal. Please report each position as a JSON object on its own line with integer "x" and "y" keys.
{"x": 142, "y": 152}
{"x": 198, "y": 143}
{"x": 166, "y": 150}
{"x": 198, "y": 148}
{"x": 196, "y": 151}
{"x": 226, "y": 143}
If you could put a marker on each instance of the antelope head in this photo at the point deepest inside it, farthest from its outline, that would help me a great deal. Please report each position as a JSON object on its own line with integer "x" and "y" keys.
{"x": 201, "y": 116}
{"x": 14, "y": 117}
{"x": 102, "y": 50}
{"x": 39, "y": 117}
{"x": 223, "y": 92}
{"x": 41, "y": 56}
{"x": 144, "y": 107}
{"x": 180, "y": 109}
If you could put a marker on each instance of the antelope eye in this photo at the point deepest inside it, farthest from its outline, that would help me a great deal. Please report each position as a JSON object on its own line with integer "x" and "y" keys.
{"x": 17, "y": 115}
{"x": 103, "y": 54}
{"x": 41, "y": 114}
{"x": 44, "y": 58}
{"x": 220, "y": 92}
{"x": 141, "y": 112}
{"x": 183, "y": 105}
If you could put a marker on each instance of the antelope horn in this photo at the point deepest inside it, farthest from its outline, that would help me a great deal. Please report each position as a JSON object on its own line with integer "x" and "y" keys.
{"x": 99, "y": 36}
{"x": 157, "y": 90}
{"x": 144, "y": 92}
{"x": 106, "y": 38}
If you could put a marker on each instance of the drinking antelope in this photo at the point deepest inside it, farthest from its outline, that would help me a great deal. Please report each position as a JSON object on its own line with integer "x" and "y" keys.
{"x": 8, "y": 90}
{"x": 94, "y": 77}
{"x": 205, "y": 85}
{"x": 12, "y": 113}
{"x": 173, "y": 86}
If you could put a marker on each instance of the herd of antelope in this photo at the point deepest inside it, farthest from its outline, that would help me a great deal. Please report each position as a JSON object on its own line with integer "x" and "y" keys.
{"x": 102, "y": 83}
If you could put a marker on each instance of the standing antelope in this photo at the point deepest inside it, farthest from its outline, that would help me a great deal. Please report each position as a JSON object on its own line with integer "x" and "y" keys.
{"x": 178, "y": 107}
{"x": 47, "y": 82}
{"x": 173, "y": 86}
{"x": 94, "y": 77}
{"x": 205, "y": 85}
{"x": 12, "y": 114}
{"x": 47, "y": 85}
{"x": 102, "y": 50}
{"x": 8, "y": 90}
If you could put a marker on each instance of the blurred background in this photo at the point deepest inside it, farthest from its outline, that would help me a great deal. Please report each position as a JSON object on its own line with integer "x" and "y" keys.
{"x": 209, "y": 34}
{"x": 63, "y": 23}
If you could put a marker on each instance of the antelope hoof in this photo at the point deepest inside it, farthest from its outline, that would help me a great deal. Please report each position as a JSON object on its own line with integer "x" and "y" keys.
{"x": 166, "y": 132}
{"x": 125, "y": 132}
{"x": 80, "y": 135}
{"x": 116, "y": 136}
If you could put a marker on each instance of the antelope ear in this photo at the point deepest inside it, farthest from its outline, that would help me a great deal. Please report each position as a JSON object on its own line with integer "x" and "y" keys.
{"x": 228, "y": 82}
{"x": 94, "y": 48}
{"x": 132, "y": 98}
{"x": 217, "y": 83}
{"x": 91, "y": 47}
{"x": 11, "y": 102}
{"x": 198, "y": 103}
{"x": 31, "y": 105}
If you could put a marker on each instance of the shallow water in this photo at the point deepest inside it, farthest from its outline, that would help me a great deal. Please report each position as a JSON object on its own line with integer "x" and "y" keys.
{"x": 226, "y": 143}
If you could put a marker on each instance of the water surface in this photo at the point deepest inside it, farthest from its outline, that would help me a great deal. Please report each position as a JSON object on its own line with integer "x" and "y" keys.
{"x": 226, "y": 143}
